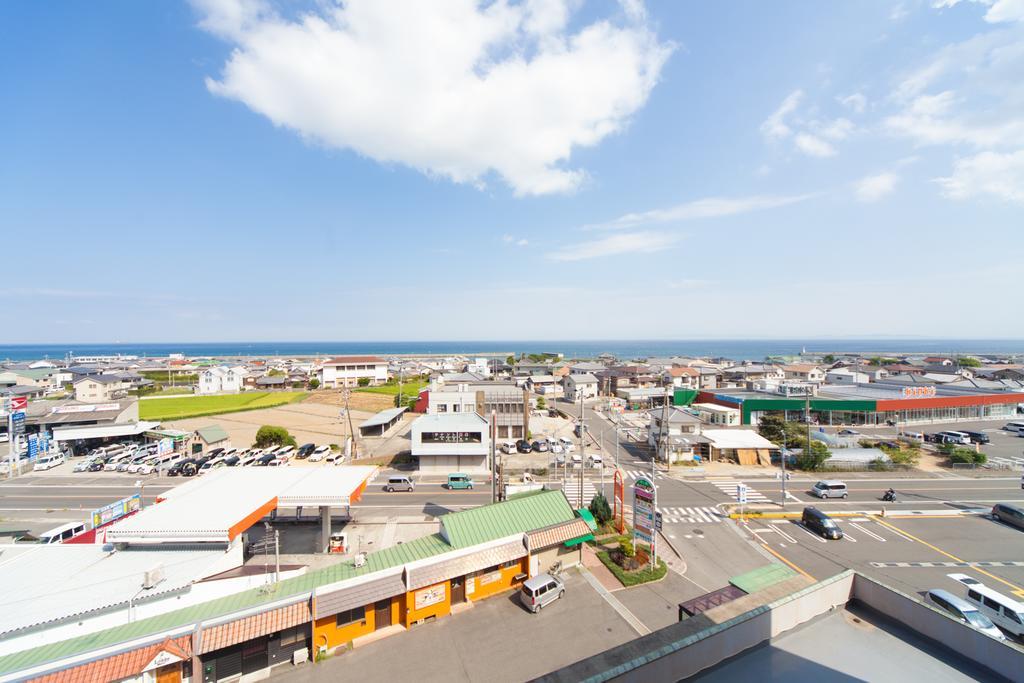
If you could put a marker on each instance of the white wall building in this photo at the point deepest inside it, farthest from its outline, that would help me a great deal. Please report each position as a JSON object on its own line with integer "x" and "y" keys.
{"x": 101, "y": 388}
{"x": 680, "y": 430}
{"x": 346, "y": 371}
{"x": 846, "y": 376}
{"x": 452, "y": 442}
{"x": 222, "y": 379}
{"x": 479, "y": 366}
{"x": 580, "y": 386}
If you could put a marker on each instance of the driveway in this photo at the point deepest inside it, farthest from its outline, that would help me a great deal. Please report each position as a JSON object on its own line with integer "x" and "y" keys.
{"x": 496, "y": 640}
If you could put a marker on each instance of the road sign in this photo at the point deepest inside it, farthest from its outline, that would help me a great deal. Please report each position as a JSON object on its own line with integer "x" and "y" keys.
{"x": 644, "y": 510}
{"x": 18, "y": 422}
{"x": 657, "y": 521}
{"x": 19, "y": 402}
{"x": 741, "y": 493}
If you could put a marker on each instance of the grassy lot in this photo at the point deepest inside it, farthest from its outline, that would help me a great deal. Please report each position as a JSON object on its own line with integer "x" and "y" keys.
{"x": 200, "y": 406}
{"x": 410, "y": 388}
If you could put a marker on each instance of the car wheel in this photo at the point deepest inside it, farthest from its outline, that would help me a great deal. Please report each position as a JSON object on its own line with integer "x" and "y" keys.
{"x": 470, "y": 487}
{"x": 844, "y": 496}
{"x": 560, "y": 594}
{"x": 390, "y": 489}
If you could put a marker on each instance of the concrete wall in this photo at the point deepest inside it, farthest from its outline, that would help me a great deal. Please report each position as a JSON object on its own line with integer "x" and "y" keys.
{"x": 937, "y": 625}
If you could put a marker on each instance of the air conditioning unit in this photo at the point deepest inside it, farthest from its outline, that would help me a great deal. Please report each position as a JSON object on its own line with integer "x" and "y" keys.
{"x": 300, "y": 656}
{"x": 153, "y": 577}
{"x": 359, "y": 560}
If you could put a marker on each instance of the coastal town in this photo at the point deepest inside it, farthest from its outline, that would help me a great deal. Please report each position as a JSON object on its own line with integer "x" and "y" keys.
{"x": 217, "y": 517}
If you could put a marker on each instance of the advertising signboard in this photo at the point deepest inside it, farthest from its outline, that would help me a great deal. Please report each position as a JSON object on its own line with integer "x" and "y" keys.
{"x": 33, "y": 447}
{"x": 17, "y": 422}
{"x": 19, "y": 402}
{"x": 431, "y": 595}
{"x": 116, "y": 510}
{"x": 644, "y": 510}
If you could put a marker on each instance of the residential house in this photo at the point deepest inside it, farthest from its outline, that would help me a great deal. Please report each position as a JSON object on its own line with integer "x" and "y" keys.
{"x": 579, "y": 386}
{"x": 222, "y": 379}
{"x": 210, "y": 437}
{"x": 100, "y": 388}
{"x": 545, "y": 385}
{"x": 586, "y": 368}
{"x": 682, "y": 377}
{"x": 750, "y": 372}
{"x": 804, "y": 372}
{"x": 347, "y": 371}
{"x": 675, "y": 429}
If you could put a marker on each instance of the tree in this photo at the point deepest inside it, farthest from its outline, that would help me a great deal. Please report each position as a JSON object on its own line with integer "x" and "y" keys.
{"x": 829, "y": 359}
{"x": 773, "y": 428}
{"x": 314, "y": 383}
{"x": 511, "y": 360}
{"x": 600, "y": 509}
{"x": 275, "y": 373}
{"x": 813, "y": 458}
{"x": 541, "y": 403}
{"x": 364, "y": 381}
{"x": 969, "y": 362}
{"x": 270, "y": 435}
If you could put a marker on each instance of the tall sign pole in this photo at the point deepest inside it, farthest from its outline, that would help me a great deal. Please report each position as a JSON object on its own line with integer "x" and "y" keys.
{"x": 494, "y": 466}
{"x": 645, "y": 506}
{"x": 583, "y": 441}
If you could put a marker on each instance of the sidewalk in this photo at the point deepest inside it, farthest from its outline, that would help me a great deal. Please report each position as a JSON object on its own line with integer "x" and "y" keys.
{"x": 600, "y": 572}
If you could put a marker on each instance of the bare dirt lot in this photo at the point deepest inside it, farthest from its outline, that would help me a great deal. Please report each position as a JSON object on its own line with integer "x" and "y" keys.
{"x": 373, "y": 403}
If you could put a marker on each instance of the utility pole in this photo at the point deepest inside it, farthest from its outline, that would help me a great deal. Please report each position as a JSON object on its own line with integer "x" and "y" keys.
{"x": 351, "y": 432}
{"x": 663, "y": 444}
{"x": 277, "y": 555}
{"x": 494, "y": 467}
{"x": 583, "y": 441}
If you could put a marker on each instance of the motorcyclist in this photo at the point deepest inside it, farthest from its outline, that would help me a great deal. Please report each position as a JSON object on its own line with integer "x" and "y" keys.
{"x": 890, "y": 494}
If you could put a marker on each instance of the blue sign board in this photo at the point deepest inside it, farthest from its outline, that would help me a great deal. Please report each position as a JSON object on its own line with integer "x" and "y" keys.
{"x": 33, "y": 447}
{"x": 18, "y": 421}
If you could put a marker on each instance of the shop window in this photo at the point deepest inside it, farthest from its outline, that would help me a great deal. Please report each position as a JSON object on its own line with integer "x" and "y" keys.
{"x": 510, "y": 564}
{"x": 350, "y": 616}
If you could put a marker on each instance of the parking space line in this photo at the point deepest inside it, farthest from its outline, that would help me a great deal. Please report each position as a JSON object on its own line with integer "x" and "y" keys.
{"x": 869, "y": 533}
{"x": 810, "y": 533}
{"x": 1016, "y": 589}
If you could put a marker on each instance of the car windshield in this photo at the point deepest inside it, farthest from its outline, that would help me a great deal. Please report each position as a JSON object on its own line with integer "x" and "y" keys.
{"x": 828, "y": 523}
{"x": 977, "y": 619}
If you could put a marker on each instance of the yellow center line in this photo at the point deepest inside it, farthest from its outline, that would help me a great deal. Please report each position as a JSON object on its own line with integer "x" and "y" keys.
{"x": 765, "y": 546}
{"x": 1016, "y": 589}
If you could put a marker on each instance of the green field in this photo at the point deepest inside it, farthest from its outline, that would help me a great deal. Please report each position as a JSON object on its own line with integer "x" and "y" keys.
{"x": 199, "y": 406}
{"x": 410, "y": 388}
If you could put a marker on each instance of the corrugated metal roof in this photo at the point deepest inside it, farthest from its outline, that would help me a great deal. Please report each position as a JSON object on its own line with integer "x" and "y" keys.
{"x": 460, "y": 566}
{"x": 383, "y": 417}
{"x": 487, "y": 523}
{"x": 212, "y": 433}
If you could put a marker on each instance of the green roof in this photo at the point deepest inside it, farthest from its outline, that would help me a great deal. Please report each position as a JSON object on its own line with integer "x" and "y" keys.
{"x": 762, "y": 577}
{"x": 212, "y": 434}
{"x": 517, "y": 516}
{"x": 397, "y": 555}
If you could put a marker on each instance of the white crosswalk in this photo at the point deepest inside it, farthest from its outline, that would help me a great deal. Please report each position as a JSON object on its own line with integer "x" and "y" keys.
{"x": 572, "y": 491}
{"x": 631, "y": 475}
{"x": 687, "y": 515}
{"x": 730, "y": 488}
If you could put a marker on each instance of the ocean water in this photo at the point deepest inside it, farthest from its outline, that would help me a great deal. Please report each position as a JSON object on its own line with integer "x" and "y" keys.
{"x": 747, "y": 349}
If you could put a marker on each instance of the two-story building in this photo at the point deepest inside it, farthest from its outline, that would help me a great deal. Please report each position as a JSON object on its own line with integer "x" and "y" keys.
{"x": 452, "y": 442}
{"x": 804, "y": 372}
{"x": 675, "y": 429}
{"x": 222, "y": 379}
{"x": 682, "y": 377}
{"x": 100, "y": 388}
{"x": 578, "y": 387}
{"x": 509, "y": 404}
{"x": 346, "y": 371}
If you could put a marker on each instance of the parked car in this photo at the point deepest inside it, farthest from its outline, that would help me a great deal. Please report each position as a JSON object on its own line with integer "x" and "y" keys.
{"x": 319, "y": 453}
{"x": 540, "y": 591}
{"x": 977, "y": 437}
{"x": 399, "y": 484}
{"x": 963, "y": 611}
{"x": 848, "y": 432}
{"x": 82, "y": 466}
{"x": 932, "y": 438}
{"x": 305, "y": 450}
{"x": 540, "y": 446}
{"x": 579, "y": 429}
{"x": 567, "y": 445}
{"x": 265, "y": 460}
{"x": 508, "y": 447}
{"x": 177, "y": 468}
{"x": 1006, "y": 613}
{"x": 821, "y": 524}
{"x": 97, "y": 466}
{"x": 523, "y": 446}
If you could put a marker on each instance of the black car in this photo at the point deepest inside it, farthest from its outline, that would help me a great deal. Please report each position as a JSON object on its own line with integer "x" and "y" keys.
{"x": 231, "y": 460}
{"x": 540, "y": 447}
{"x": 821, "y": 524}
{"x": 178, "y": 468}
{"x": 978, "y": 437}
{"x": 523, "y": 446}
{"x": 579, "y": 429}
{"x": 215, "y": 452}
{"x": 265, "y": 460}
{"x": 932, "y": 438}
{"x": 97, "y": 466}
{"x": 304, "y": 450}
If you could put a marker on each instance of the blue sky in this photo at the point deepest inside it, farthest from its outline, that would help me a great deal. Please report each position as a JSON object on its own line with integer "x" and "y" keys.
{"x": 235, "y": 170}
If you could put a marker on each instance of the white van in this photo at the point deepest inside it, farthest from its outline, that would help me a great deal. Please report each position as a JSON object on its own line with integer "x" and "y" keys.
{"x": 62, "y": 533}
{"x": 48, "y": 462}
{"x": 956, "y": 437}
{"x": 1006, "y": 613}
{"x": 567, "y": 445}
{"x": 1017, "y": 427}
{"x": 319, "y": 453}
{"x": 508, "y": 448}
{"x": 595, "y": 460}
{"x": 284, "y": 451}
{"x": 916, "y": 436}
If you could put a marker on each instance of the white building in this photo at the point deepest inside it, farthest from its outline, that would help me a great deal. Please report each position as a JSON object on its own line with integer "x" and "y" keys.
{"x": 346, "y": 371}
{"x": 101, "y": 388}
{"x": 580, "y": 386}
{"x": 479, "y": 366}
{"x": 222, "y": 379}
{"x": 713, "y": 414}
{"x": 804, "y": 372}
{"x": 451, "y": 442}
{"x": 680, "y": 430}
{"x": 846, "y": 376}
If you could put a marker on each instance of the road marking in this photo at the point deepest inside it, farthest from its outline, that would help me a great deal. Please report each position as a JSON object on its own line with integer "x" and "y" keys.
{"x": 972, "y": 565}
{"x": 791, "y": 565}
{"x": 810, "y": 533}
{"x": 786, "y": 536}
{"x": 630, "y": 618}
{"x": 869, "y": 533}
{"x": 1016, "y": 589}
{"x": 848, "y": 537}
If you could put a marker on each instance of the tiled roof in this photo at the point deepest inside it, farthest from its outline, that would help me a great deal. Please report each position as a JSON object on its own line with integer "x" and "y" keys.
{"x": 124, "y": 665}
{"x": 247, "y": 628}
{"x": 558, "y": 534}
{"x": 466, "y": 564}
{"x": 517, "y": 516}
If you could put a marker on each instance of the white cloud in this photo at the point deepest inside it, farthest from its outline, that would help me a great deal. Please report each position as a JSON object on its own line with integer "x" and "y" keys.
{"x": 856, "y": 102}
{"x": 512, "y": 239}
{"x": 709, "y": 207}
{"x": 987, "y": 173}
{"x": 454, "y": 88}
{"x": 814, "y": 146}
{"x": 837, "y": 129}
{"x": 998, "y": 10}
{"x": 874, "y": 187}
{"x": 642, "y": 242}
{"x": 898, "y": 13}
{"x": 775, "y": 127}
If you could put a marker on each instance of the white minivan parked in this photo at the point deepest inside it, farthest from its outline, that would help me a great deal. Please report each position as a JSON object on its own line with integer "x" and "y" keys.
{"x": 1006, "y": 613}
{"x": 48, "y": 462}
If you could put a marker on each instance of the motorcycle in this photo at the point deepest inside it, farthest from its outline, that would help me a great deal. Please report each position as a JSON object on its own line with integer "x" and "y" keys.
{"x": 889, "y": 497}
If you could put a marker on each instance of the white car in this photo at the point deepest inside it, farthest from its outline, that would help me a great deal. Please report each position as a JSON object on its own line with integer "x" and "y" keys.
{"x": 567, "y": 445}
{"x": 319, "y": 453}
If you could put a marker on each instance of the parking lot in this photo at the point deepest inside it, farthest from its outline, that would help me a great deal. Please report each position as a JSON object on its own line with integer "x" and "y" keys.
{"x": 1006, "y": 449}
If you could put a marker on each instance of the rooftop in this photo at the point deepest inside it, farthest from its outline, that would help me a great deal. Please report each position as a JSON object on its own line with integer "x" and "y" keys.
{"x": 449, "y": 422}
{"x": 355, "y": 360}
{"x": 519, "y": 515}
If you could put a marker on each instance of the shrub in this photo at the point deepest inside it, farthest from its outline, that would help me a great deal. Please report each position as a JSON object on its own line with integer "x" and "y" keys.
{"x": 364, "y": 381}
{"x": 960, "y": 455}
{"x": 541, "y": 403}
{"x": 813, "y": 458}
{"x": 626, "y": 547}
{"x": 600, "y": 509}
{"x": 314, "y": 383}
{"x": 270, "y": 435}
